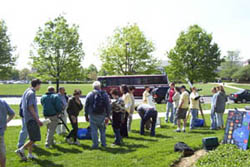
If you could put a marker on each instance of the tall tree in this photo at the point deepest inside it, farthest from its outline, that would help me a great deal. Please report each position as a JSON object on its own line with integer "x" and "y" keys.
{"x": 195, "y": 56}
{"x": 7, "y": 59}
{"x": 25, "y": 74}
{"x": 243, "y": 74}
{"x": 92, "y": 72}
{"x": 128, "y": 52}
{"x": 231, "y": 65}
{"x": 59, "y": 51}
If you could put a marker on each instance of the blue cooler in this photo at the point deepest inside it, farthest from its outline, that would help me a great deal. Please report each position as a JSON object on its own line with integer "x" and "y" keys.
{"x": 199, "y": 123}
{"x": 84, "y": 134}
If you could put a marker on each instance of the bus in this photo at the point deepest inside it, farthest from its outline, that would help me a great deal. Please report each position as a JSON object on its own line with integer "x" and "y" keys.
{"x": 139, "y": 81}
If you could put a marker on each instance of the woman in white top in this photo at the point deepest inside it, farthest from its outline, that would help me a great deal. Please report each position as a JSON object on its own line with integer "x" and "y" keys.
{"x": 128, "y": 102}
{"x": 176, "y": 99}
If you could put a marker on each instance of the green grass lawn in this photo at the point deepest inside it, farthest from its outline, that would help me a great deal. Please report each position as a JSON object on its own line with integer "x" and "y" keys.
{"x": 138, "y": 151}
{"x": 225, "y": 155}
{"x": 243, "y": 86}
{"x": 206, "y": 88}
{"x": 18, "y": 89}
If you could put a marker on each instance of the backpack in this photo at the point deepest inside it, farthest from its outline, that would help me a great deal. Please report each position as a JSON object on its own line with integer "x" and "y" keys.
{"x": 84, "y": 133}
{"x": 99, "y": 104}
{"x": 183, "y": 147}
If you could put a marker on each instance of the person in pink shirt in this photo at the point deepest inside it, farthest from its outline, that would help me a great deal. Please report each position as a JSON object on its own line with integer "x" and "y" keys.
{"x": 169, "y": 100}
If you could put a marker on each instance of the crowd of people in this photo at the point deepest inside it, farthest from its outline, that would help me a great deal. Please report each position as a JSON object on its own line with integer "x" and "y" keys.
{"x": 99, "y": 110}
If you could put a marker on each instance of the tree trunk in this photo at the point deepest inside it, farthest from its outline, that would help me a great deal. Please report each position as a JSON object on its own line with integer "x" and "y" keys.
{"x": 57, "y": 85}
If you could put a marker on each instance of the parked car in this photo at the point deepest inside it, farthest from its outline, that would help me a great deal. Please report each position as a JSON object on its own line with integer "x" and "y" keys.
{"x": 159, "y": 94}
{"x": 242, "y": 96}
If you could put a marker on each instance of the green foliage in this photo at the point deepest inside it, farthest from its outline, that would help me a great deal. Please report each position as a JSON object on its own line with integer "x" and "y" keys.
{"x": 7, "y": 59}
{"x": 59, "y": 50}
{"x": 195, "y": 56}
{"x": 88, "y": 74}
{"x": 243, "y": 74}
{"x": 25, "y": 74}
{"x": 230, "y": 65}
{"x": 128, "y": 52}
{"x": 225, "y": 155}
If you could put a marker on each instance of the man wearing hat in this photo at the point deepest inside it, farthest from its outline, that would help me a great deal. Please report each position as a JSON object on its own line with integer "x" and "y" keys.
{"x": 182, "y": 109}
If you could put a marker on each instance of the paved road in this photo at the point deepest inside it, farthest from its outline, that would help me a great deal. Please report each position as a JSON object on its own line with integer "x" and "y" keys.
{"x": 16, "y": 100}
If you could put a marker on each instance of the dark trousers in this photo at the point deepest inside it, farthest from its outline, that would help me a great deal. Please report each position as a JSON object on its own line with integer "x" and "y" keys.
{"x": 124, "y": 127}
{"x": 152, "y": 114}
{"x": 73, "y": 132}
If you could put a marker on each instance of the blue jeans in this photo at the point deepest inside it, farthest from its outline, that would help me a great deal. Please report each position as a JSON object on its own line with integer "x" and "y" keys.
{"x": 213, "y": 120}
{"x": 174, "y": 115}
{"x": 194, "y": 114}
{"x": 96, "y": 124}
{"x": 170, "y": 106}
{"x": 22, "y": 135}
{"x": 118, "y": 137}
{"x": 150, "y": 114}
{"x": 220, "y": 122}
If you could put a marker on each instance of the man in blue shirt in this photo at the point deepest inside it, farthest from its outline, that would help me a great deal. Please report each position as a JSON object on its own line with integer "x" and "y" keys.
{"x": 97, "y": 110}
{"x": 4, "y": 111}
{"x": 31, "y": 119}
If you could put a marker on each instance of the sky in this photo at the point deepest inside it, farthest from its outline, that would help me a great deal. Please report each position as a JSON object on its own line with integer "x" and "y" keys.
{"x": 160, "y": 20}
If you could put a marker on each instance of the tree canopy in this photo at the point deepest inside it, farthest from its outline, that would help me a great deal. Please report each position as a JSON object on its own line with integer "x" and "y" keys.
{"x": 128, "y": 52}
{"x": 231, "y": 65}
{"x": 243, "y": 74}
{"x": 59, "y": 51}
{"x": 7, "y": 59}
{"x": 195, "y": 56}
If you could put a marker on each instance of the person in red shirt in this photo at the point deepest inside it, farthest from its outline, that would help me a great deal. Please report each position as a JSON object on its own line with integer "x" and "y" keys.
{"x": 169, "y": 100}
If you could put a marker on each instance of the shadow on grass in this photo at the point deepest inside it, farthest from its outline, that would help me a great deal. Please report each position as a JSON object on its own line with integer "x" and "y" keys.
{"x": 202, "y": 132}
{"x": 39, "y": 151}
{"x": 135, "y": 138}
{"x": 47, "y": 163}
{"x": 122, "y": 149}
{"x": 66, "y": 150}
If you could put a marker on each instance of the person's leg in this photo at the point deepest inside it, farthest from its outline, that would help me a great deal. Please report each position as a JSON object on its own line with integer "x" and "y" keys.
{"x": 124, "y": 128}
{"x": 178, "y": 124}
{"x": 75, "y": 129}
{"x": 142, "y": 126}
{"x": 51, "y": 128}
{"x": 130, "y": 118}
{"x": 218, "y": 118}
{"x": 145, "y": 119}
{"x": 2, "y": 152}
{"x": 94, "y": 134}
{"x": 194, "y": 114}
{"x": 213, "y": 121}
{"x": 172, "y": 114}
{"x": 154, "y": 118}
{"x": 167, "y": 113}
{"x": 184, "y": 124}
{"x": 65, "y": 115}
{"x": 102, "y": 129}
{"x": 22, "y": 135}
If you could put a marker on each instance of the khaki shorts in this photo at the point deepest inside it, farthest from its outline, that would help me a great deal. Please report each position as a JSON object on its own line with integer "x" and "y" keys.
{"x": 181, "y": 113}
{"x": 2, "y": 146}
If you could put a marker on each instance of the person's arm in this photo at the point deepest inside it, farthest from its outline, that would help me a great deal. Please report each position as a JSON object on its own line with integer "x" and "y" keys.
{"x": 108, "y": 109}
{"x": 10, "y": 112}
{"x": 31, "y": 103}
{"x": 87, "y": 103}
